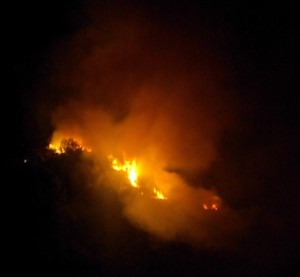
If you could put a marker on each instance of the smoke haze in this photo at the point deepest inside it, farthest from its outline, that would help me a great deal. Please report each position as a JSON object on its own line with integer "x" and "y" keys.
{"x": 138, "y": 87}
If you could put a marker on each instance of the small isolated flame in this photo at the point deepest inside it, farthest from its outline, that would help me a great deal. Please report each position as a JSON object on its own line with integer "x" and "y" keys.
{"x": 128, "y": 166}
{"x": 158, "y": 194}
{"x": 213, "y": 207}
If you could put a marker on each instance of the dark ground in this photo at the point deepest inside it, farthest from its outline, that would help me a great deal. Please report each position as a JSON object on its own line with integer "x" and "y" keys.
{"x": 46, "y": 239}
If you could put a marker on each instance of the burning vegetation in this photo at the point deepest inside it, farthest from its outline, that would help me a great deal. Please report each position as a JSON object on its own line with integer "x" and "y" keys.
{"x": 126, "y": 166}
{"x": 67, "y": 144}
{"x": 131, "y": 169}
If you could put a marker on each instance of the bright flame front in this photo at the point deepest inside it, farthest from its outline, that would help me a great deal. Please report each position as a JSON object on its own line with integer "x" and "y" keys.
{"x": 61, "y": 146}
{"x": 129, "y": 167}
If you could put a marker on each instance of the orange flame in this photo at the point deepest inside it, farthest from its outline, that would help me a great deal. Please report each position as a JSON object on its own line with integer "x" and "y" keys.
{"x": 56, "y": 148}
{"x": 61, "y": 146}
{"x": 158, "y": 194}
{"x": 129, "y": 167}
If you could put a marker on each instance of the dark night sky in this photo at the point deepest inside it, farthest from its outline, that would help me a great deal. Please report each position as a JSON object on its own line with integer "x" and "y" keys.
{"x": 263, "y": 45}
{"x": 263, "y": 48}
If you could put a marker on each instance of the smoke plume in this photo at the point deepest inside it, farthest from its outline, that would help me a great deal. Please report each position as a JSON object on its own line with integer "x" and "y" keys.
{"x": 134, "y": 85}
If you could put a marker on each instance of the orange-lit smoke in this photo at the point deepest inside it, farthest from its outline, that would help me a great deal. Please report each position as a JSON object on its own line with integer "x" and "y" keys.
{"x": 135, "y": 87}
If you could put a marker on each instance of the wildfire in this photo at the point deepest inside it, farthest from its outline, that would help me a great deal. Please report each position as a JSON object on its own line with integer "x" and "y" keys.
{"x": 60, "y": 147}
{"x": 129, "y": 167}
{"x": 56, "y": 148}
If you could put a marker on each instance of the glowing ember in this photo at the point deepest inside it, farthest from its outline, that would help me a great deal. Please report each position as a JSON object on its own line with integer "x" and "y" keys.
{"x": 129, "y": 167}
{"x": 210, "y": 207}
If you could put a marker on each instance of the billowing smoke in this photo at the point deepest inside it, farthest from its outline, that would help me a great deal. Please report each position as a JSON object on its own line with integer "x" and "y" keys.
{"x": 133, "y": 85}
